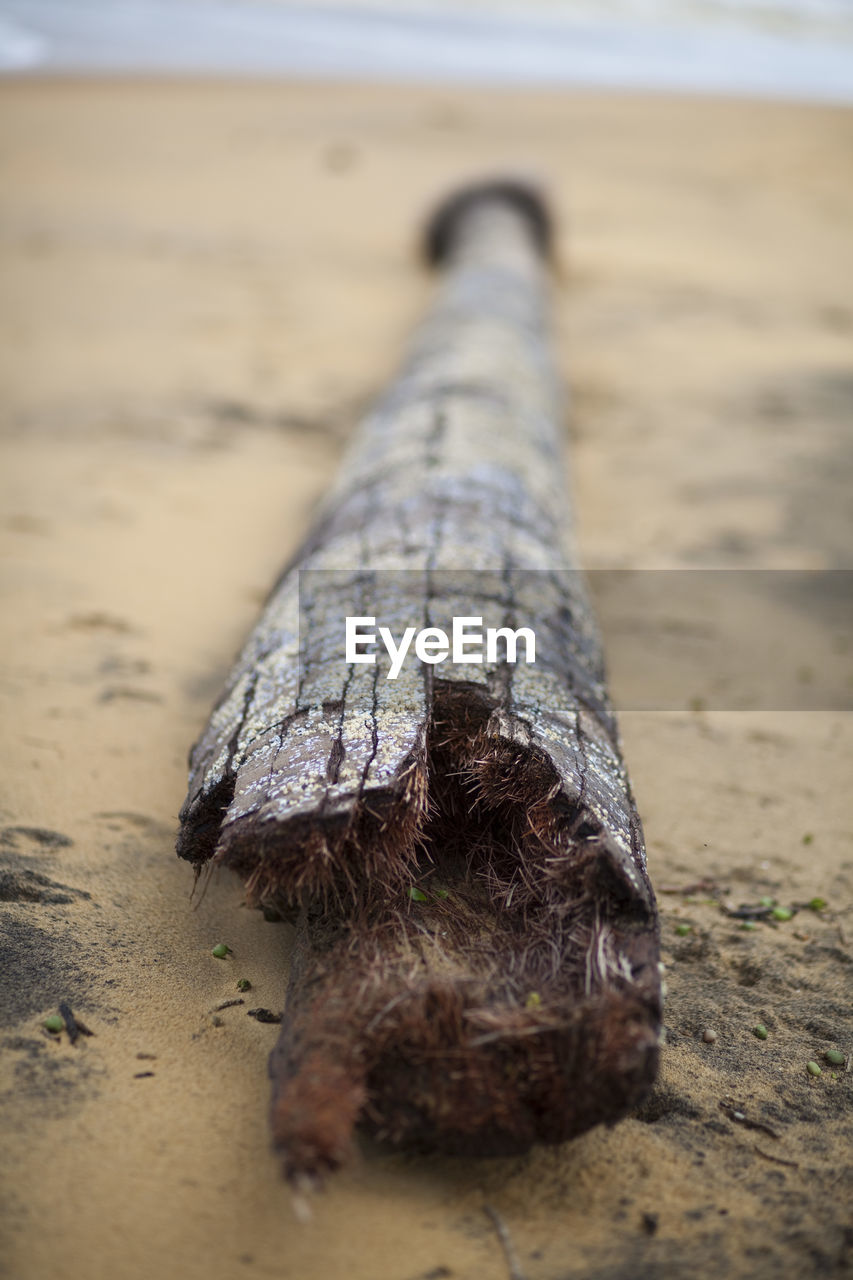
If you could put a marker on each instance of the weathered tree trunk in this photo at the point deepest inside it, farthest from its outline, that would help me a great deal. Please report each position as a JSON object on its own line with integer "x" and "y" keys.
{"x": 476, "y": 965}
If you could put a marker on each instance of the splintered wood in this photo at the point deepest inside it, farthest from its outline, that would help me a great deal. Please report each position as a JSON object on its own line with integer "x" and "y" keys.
{"x": 476, "y": 959}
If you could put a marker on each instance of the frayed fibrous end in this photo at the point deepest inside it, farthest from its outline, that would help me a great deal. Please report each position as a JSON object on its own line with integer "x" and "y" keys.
{"x": 514, "y": 1076}
{"x": 501, "y": 987}
{"x": 369, "y": 842}
{"x": 370, "y": 845}
{"x": 313, "y": 1120}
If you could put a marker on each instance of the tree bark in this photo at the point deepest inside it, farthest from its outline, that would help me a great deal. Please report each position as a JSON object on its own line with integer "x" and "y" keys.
{"x": 476, "y": 964}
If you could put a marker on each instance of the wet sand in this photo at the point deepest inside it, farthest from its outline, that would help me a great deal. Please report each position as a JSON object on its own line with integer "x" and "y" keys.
{"x": 203, "y": 287}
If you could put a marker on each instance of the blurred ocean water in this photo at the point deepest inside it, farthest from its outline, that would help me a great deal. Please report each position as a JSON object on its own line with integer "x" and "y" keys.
{"x": 800, "y": 49}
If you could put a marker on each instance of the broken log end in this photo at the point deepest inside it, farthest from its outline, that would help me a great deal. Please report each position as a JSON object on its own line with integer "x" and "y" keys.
{"x": 522, "y": 196}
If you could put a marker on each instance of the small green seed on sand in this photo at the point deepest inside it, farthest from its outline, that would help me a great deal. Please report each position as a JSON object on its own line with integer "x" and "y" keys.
{"x": 748, "y": 926}
{"x": 782, "y": 913}
{"x": 682, "y": 930}
{"x": 54, "y": 1024}
{"x": 760, "y": 1031}
{"x": 813, "y": 1069}
{"x": 817, "y": 904}
{"x": 244, "y": 985}
{"x": 808, "y": 837}
{"x": 835, "y": 1056}
{"x": 220, "y": 951}
{"x": 416, "y": 894}
{"x": 767, "y": 902}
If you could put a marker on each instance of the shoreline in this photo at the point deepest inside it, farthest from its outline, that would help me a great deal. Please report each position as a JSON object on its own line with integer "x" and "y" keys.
{"x": 678, "y": 50}
{"x": 276, "y": 81}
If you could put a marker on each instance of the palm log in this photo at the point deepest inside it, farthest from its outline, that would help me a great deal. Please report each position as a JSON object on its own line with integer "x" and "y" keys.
{"x": 476, "y": 958}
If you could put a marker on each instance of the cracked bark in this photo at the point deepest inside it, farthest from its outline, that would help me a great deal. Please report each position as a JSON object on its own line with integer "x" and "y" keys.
{"x": 516, "y": 998}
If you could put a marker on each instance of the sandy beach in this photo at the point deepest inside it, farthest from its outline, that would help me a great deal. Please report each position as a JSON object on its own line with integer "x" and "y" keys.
{"x": 204, "y": 284}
